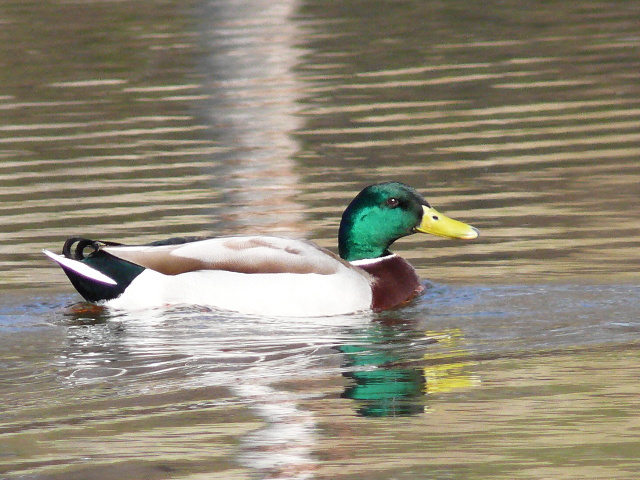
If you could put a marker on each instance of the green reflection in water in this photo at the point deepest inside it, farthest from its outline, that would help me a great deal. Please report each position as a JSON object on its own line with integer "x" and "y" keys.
{"x": 391, "y": 373}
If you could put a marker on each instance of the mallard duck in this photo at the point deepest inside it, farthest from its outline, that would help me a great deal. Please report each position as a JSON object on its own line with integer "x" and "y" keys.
{"x": 268, "y": 275}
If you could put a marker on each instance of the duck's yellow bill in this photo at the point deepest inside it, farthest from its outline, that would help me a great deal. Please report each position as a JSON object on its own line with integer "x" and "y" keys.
{"x": 435, "y": 223}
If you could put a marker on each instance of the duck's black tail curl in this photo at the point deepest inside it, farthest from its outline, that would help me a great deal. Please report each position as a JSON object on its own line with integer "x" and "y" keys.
{"x": 107, "y": 276}
{"x": 81, "y": 243}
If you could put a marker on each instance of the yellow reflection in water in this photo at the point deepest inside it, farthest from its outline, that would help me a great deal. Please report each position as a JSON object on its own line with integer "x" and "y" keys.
{"x": 450, "y": 371}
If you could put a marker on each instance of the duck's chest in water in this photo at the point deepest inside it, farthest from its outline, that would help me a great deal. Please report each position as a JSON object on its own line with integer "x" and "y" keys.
{"x": 394, "y": 281}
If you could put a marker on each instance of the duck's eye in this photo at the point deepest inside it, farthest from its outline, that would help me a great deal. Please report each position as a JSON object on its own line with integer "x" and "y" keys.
{"x": 393, "y": 202}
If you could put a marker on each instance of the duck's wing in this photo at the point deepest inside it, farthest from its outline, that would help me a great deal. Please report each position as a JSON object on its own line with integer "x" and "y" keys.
{"x": 255, "y": 254}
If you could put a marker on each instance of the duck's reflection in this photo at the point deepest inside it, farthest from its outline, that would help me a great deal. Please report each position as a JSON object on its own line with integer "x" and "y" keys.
{"x": 395, "y": 367}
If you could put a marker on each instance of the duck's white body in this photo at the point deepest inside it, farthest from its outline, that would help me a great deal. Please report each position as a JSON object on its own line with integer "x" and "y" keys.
{"x": 261, "y": 294}
{"x": 253, "y": 275}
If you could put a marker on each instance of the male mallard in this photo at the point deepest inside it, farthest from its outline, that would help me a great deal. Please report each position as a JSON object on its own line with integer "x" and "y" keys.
{"x": 269, "y": 275}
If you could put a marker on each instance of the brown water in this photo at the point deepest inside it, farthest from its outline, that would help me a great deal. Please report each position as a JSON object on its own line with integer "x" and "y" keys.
{"x": 135, "y": 121}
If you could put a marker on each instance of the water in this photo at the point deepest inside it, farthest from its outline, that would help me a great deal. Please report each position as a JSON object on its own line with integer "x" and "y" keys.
{"x": 136, "y": 122}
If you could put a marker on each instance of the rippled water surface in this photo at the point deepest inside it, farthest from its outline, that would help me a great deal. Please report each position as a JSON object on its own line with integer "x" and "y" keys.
{"x": 134, "y": 121}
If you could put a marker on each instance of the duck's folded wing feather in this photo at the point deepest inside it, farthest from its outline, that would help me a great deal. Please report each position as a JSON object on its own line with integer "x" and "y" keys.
{"x": 257, "y": 254}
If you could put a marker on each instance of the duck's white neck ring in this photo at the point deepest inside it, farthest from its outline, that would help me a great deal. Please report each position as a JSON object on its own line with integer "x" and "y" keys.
{"x": 371, "y": 261}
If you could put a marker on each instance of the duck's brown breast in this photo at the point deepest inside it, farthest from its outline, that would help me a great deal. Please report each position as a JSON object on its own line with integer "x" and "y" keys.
{"x": 394, "y": 281}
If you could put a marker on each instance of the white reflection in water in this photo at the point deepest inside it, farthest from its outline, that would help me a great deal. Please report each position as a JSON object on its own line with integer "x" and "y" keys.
{"x": 183, "y": 348}
{"x": 252, "y": 109}
{"x": 284, "y": 446}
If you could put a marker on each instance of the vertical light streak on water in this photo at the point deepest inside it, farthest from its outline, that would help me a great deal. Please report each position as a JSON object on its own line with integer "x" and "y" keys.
{"x": 252, "y": 106}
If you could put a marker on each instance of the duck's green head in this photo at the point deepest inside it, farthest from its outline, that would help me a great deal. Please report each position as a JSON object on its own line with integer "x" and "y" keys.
{"x": 385, "y": 212}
